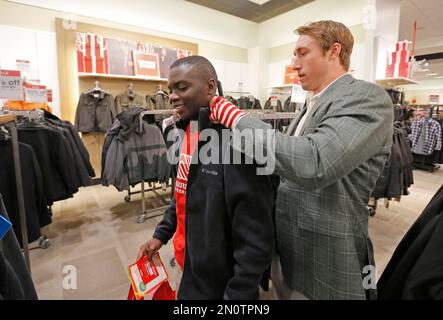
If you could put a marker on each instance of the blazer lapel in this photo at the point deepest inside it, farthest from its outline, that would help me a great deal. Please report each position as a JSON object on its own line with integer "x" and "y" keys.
{"x": 293, "y": 125}
{"x": 330, "y": 93}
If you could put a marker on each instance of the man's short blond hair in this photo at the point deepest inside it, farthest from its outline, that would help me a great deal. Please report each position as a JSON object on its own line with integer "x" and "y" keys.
{"x": 327, "y": 33}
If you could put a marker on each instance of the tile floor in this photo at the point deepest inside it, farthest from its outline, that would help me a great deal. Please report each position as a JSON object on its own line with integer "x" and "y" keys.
{"x": 97, "y": 233}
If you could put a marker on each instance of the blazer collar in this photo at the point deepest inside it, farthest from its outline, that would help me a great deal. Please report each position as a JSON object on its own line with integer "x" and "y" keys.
{"x": 332, "y": 92}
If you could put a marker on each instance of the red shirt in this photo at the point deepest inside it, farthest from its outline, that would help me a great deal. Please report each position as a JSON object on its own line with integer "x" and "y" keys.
{"x": 187, "y": 149}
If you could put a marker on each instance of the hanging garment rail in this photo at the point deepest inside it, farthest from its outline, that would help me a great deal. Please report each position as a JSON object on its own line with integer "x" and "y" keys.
{"x": 8, "y": 121}
{"x": 44, "y": 242}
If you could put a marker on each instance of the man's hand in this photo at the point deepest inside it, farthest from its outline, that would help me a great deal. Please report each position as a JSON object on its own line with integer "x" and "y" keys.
{"x": 224, "y": 112}
{"x": 149, "y": 249}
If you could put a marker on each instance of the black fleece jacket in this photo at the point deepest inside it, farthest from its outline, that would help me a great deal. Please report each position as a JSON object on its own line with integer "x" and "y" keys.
{"x": 229, "y": 229}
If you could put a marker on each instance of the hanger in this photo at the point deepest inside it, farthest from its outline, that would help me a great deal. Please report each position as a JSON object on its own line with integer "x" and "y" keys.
{"x": 96, "y": 88}
{"x": 130, "y": 88}
{"x": 160, "y": 90}
{"x": 4, "y": 134}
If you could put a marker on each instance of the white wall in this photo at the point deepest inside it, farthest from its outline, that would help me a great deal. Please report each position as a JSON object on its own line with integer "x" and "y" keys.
{"x": 173, "y": 16}
{"x": 40, "y": 49}
{"x": 386, "y": 34}
{"x": 279, "y": 30}
{"x": 422, "y": 96}
{"x": 233, "y": 75}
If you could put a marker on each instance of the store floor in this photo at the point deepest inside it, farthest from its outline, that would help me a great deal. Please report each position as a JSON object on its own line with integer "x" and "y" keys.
{"x": 97, "y": 233}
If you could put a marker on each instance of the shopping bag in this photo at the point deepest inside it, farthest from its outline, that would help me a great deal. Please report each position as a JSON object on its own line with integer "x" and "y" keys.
{"x": 164, "y": 292}
{"x": 149, "y": 280}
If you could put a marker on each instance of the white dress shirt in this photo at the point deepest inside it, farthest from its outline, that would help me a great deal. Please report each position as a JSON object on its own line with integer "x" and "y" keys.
{"x": 311, "y": 101}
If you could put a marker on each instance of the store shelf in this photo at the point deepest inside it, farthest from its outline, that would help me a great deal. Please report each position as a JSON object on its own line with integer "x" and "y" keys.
{"x": 285, "y": 86}
{"x": 5, "y": 118}
{"x": 113, "y": 76}
{"x": 392, "y": 82}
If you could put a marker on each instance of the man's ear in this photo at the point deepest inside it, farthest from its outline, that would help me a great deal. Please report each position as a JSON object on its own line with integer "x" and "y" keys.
{"x": 212, "y": 87}
{"x": 335, "y": 50}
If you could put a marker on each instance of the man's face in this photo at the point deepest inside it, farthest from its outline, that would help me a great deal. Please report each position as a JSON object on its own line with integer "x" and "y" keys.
{"x": 310, "y": 62}
{"x": 189, "y": 90}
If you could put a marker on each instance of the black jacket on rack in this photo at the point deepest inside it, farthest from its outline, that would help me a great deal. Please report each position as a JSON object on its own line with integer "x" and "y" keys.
{"x": 15, "y": 280}
{"x": 229, "y": 233}
{"x": 76, "y": 147}
{"x": 415, "y": 270}
{"x": 438, "y": 154}
{"x": 247, "y": 103}
{"x": 54, "y": 157}
{"x": 289, "y": 106}
{"x": 278, "y": 107}
{"x": 81, "y": 147}
{"x": 397, "y": 175}
{"x": 36, "y": 211}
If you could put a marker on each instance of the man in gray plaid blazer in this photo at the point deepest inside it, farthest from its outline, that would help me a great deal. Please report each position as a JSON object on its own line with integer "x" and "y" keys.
{"x": 329, "y": 161}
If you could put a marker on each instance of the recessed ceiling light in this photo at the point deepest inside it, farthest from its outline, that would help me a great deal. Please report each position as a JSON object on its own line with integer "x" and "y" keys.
{"x": 427, "y": 64}
{"x": 260, "y": 2}
{"x": 439, "y": 77}
{"x": 431, "y": 74}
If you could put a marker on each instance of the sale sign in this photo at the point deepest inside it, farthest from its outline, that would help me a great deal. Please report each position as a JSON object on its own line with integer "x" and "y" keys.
{"x": 23, "y": 65}
{"x": 291, "y": 75}
{"x": 11, "y": 85}
{"x": 35, "y": 93}
{"x": 49, "y": 95}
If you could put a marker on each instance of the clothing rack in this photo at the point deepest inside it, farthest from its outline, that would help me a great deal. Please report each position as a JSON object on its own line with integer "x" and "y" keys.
{"x": 270, "y": 115}
{"x": 43, "y": 242}
{"x": 421, "y": 163}
{"x": 8, "y": 121}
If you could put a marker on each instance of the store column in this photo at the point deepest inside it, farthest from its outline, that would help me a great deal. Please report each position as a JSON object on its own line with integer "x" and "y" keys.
{"x": 381, "y": 21}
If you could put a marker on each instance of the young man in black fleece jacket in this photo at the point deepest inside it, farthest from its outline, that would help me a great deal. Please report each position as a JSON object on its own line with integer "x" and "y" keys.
{"x": 221, "y": 214}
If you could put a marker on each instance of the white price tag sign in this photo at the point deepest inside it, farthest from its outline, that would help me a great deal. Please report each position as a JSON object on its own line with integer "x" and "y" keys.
{"x": 23, "y": 65}
{"x": 36, "y": 93}
{"x": 274, "y": 101}
{"x": 298, "y": 95}
{"x": 11, "y": 85}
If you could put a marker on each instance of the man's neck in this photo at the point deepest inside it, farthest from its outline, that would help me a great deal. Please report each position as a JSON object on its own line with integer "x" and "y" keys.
{"x": 328, "y": 80}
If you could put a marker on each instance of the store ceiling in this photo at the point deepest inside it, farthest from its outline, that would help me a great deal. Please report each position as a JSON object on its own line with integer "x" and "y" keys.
{"x": 253, "y": 10}
{"x": 429, "y": 17}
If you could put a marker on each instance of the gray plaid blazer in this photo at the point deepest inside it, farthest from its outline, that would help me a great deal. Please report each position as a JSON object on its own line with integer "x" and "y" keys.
{"x": 327, "y": 175}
